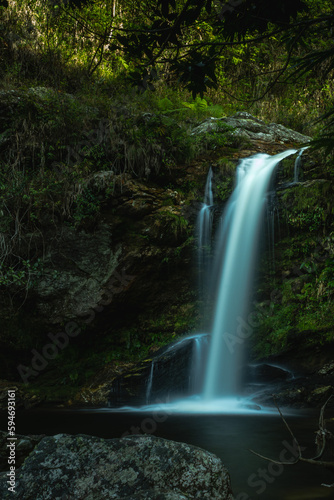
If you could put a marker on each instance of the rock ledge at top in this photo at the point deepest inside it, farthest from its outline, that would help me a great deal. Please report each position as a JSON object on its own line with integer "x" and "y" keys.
{"x": 248, "y": 127}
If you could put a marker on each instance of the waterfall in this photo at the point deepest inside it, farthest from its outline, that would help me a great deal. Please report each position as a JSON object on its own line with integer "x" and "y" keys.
{"x": 191, "y": 351}
{"x": 199, "y": 357}
{"x": 149, "y": 384}
{"x": 239, "y": 238}
{"x": 211, "y": 379}
{"x": 204, "y": 230}
{"x": 297, "y": 165}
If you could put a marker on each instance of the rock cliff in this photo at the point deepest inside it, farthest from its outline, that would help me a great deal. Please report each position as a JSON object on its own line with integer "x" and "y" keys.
{"x": 110, "y": 272}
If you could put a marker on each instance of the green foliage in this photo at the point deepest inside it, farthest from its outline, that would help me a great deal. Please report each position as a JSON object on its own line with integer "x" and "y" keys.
{"x": 178, "y": 224}
{"x": 309, "y": 267}
{"x": 81, "y": 50}
{"x": 76, "y": 365}
{"x": 86, "y": 206}
{"x": 22, "y": 275}
{"x": 306, "y": 207}
{"x": 53, "y": 145}
{"x": 311, "y": 219}
{"x": 163, "y": 138}
{"x": 202, "y": 108}
{"x": 301, "y": 307}
{"x": 224, "y": 189}
{"x": 325, "y": 282}
{"x": 165, "y": 104}
{"x": 325, "y": 136}
{"x": 179, "y": 320}
{"x": 219, "y": 136}
{"x": 198, "y": 104}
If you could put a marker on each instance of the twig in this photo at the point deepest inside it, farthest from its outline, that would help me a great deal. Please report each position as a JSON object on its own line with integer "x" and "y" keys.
{"x": 274, "y": 461}
{"x": 323, "y": 433}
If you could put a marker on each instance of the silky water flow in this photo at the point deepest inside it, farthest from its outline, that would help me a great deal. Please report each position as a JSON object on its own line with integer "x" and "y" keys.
{"x": 216, "y": 376}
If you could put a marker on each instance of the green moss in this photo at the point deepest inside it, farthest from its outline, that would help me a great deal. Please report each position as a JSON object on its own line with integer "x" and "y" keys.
{"x": 175, "y": 222}
{"x": 179, "y": 320}
{"x": 49, "y": 391}
{"x": 306, "y": 206}
{"x": 301, "y": 295}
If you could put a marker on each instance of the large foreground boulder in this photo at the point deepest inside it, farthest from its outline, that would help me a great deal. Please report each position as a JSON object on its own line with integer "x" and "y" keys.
{"x": 135, "y": 467}
{"x": 23, "y": 447}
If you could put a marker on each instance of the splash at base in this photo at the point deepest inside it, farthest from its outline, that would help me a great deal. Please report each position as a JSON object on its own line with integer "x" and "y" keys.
{"x": 198, "y": 406}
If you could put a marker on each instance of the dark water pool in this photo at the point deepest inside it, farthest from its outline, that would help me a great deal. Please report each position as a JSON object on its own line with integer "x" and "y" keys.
{"x": 228, "y": 436}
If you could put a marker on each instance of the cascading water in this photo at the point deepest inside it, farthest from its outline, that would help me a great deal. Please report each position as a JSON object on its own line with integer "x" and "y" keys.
{"x": 215, "y": 376}
{"x": 297, "y": 165}
{"x": 149, "y": 384}
{"x": 239, "y": 240}
{"x": 204, "y": 231}
{"x": 199, "y": 357}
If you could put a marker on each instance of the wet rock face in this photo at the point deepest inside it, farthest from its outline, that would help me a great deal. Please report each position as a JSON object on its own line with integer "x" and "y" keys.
{"x": 304, "y": 394}
{"x": 79, "y": 266}
{"x": 310, "y": 390}
{"x": 266, "y": 373}
{"x": 170, "y": 377}
{"x": 136, "y": 467}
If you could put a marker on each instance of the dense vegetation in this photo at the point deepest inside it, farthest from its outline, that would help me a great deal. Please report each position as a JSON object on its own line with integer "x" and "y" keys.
{"x": 89, "y": 87}
{"x": 98, "y": 64}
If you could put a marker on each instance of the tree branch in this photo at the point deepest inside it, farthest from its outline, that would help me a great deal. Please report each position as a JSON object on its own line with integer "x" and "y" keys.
{"x": 325, "y": 435}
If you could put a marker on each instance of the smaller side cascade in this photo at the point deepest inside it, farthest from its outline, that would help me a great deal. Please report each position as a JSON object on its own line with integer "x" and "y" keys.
{"x": 149, "y": 385}
{"x": 204, "y": 232}
{"x": 298, "y": 163}
{"x": 199, "y": 357}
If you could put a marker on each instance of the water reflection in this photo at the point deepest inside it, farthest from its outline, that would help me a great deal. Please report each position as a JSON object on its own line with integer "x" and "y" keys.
{"x": 228, "y": 436}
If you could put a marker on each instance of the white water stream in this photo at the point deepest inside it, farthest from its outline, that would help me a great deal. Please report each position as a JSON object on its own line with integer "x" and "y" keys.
{"x": 240, "y": 238}
{"x": 216, "y": 378}
{"x": 298, "y": 162}
{"x": 204, "y": 234}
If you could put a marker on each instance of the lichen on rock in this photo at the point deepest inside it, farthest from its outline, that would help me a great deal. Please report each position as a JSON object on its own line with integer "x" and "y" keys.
{"x": 134, "y": 467}
{"x": 248, "y": 127}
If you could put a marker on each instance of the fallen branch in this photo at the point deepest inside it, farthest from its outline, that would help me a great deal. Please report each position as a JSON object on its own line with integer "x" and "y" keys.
{"x": 322, "y": 438}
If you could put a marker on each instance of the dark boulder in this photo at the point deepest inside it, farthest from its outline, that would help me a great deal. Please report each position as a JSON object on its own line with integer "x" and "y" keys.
{"x": 23, "y": 447}
{"x": 136, "y": 467}
{"x": 265, "y": 373}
